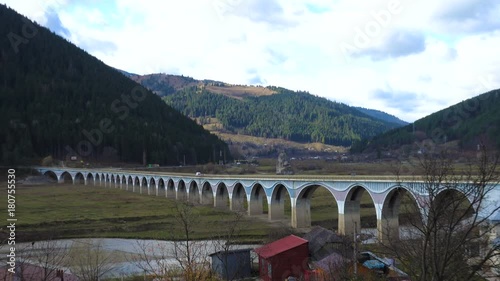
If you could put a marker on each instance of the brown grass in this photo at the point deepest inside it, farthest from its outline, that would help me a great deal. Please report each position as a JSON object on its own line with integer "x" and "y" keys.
{"x": 240, "y": 92}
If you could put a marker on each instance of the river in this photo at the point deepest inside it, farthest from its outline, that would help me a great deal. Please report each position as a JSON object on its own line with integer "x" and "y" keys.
{"x": 129, "y": 256}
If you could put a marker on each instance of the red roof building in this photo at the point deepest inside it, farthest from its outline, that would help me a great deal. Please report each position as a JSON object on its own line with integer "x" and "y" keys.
{"x": 283, "y": 258}
{"x": 30, "y": 272}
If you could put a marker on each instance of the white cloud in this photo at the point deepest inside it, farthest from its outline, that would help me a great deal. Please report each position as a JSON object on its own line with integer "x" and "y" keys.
{"x": 414, "y": 58}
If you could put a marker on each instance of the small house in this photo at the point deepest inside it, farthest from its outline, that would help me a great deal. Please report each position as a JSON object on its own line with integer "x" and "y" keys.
{"x": 28, "y": 271}
{"x": 232, "y": 264}
{"x": 283, "y": 258}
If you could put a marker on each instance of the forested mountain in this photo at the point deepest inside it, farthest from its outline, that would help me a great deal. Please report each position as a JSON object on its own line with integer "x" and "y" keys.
{"x": 164, "y": 84}
{"x": 382, "y": 115}
{"x": 470, "y": 122}
{"x": 57, "y": 100}
{"x": 296, "y": 116}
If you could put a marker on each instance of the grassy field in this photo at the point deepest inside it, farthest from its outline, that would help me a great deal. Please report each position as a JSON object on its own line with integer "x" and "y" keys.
{"x": 65, "y": 211}
{"x": 69, "y": 211}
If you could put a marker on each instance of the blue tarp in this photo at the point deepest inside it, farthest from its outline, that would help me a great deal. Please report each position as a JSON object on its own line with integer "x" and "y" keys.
{"x": 374, "y": 264}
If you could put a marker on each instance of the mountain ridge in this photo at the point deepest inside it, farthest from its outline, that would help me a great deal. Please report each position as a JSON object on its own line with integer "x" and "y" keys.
{"x": 235, "y": 106}
{"x": 272, "y": 112}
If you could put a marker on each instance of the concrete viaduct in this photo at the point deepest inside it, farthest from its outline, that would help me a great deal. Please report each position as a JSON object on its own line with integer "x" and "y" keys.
{"x": 219, "y": 190}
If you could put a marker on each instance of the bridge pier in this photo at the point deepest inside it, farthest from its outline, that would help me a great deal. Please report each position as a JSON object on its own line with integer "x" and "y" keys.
{"x": 388, "y": 229}
{"x": 349, "y": 217}
{"x": 276, "y": 203}
{"x": 255, "y": 207}
{"x": 388, "y": 216}
{"x": 301, "y": 213}
{"x": 276, "y": 210}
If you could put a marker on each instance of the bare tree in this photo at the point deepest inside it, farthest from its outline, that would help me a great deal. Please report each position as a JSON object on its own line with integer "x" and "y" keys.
{"x": 90, "y": 261}
{"x": 191, "y": 255}
{"x": 155, "y": 259}
{"x": 50, "y": 256}
{"x": 184, "y": 258}
{"x": 39, "y": 261}
{"x": 229, "y": 229}
{"x": 449, "y": 240}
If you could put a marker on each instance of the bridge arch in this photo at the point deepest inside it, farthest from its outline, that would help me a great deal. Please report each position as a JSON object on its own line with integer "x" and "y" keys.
{"x": 66, "y": 178}
{"x": 280, "y": 201}
{"x": 143, "y": 185}
{"x": 161, "y": 188}
{"x": 130, "y": 181}
{"x": 51, "y": 175}
{"x": 207, "y": 194}
{"x": 117, "y": 180}
{"x": 239, "y": 199}
{"x": 181, "y": 191}
{"x": 123, "y": 181}
{"x": 399, "y": 201}
{"x": 194, "y": 193}
{"x": 258, "y": 199}
{"x": 137, "y": 184}
{"x": 113, "y": 182}
{"x": 170, "y": 189}
{"x": 301, "y": 212}
{"x": 90, "y": 179}
{"x": 152, "y": 185}
{"x": 358, "y": 197}
{"x": 97, "y": 179}
{"x": 454, "y": 204}
{"x": 79, "y": 179}
{"x": 221, "y": 199}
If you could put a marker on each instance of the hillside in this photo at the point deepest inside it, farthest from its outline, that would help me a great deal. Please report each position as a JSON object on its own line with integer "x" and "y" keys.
{"x": 382, "y": 116}
{"x": 167, "y": 84}
{"x": 58, "y": 100}
{"x": 296, "y": 116}
{"x": 469, "y": 123}
{"x": 270, "y": 112}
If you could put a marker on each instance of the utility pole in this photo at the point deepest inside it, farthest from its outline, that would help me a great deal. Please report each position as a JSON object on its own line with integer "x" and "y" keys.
{"x": 355, "y": 248}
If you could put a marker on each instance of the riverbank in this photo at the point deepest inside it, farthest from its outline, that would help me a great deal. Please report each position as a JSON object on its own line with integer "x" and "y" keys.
{"x": 122, "y": 258}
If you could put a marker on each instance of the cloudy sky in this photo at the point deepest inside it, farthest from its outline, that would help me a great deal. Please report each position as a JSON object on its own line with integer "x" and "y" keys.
{"x": 408, "y": 58}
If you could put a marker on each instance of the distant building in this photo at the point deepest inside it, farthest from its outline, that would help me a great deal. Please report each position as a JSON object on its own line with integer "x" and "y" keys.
{"x": 283, "y": 258}
{"x": 233, "y": 264}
